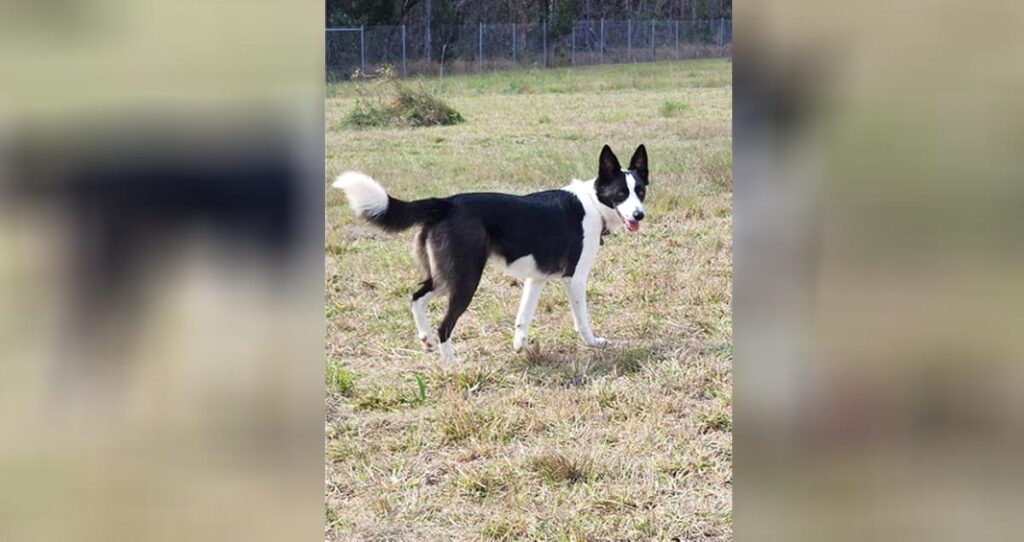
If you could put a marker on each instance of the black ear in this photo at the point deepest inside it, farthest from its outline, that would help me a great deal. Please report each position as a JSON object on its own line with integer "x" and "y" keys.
{"x": 608, "y": 165}
{"x": 639, "y": 163}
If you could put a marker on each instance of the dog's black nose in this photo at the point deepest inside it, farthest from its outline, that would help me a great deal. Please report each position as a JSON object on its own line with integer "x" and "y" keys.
{"x": 638, "y": 215}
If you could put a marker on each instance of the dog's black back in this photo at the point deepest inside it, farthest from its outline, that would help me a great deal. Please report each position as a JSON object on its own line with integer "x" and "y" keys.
{"x": 546, "y": 225}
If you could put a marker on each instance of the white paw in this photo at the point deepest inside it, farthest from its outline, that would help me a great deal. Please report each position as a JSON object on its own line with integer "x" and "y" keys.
{"x": 427, "y": 342}
{"x": 598, "y": 342}
{"x": 448, "y": 353}
{"x": 519, "y": 343}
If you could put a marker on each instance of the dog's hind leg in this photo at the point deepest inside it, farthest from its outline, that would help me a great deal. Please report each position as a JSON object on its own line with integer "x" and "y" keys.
{"x": 457, "y": 253}
{"x": 420, "y": 299}
{"x": 531, "y": 295}
{"x": 458, "y": 301}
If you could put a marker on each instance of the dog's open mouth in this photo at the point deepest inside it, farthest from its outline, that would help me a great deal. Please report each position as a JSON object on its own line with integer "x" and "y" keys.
{"x": 631, "y": 225}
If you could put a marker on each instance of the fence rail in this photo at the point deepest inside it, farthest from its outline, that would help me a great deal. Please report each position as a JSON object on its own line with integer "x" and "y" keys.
{"x": 492, "y": 47}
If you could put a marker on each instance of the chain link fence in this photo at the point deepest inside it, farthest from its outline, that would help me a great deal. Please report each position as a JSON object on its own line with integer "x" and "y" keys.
{"x": 491, "y": 47}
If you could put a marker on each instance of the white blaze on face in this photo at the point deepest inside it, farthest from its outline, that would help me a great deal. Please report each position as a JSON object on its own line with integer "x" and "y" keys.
{"x": 632, "y": 204}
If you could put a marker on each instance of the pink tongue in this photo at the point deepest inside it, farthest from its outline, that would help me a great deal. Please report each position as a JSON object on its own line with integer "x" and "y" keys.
{"x": 632, "y": 225}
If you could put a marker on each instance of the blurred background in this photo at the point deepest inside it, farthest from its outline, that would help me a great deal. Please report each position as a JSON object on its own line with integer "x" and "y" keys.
{"x": 161, "y": 270}
{"x": 878, "y": 270}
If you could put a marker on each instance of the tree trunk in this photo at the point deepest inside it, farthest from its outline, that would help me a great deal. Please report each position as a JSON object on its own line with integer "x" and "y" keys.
{"x": 427, "y": 9}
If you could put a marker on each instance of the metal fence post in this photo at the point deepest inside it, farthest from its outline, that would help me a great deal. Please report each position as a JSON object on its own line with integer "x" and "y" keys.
{"x": 691, "y": 38}
{"x": 629, "y": 38}
{"x": 677, "y": 39}
{"x": 362, "y": 49}
{"x": 544, "y": 26}
{"x": 686, "y": 33}
{"x": 572, "y": 57}
{"x": 652, "y": 39}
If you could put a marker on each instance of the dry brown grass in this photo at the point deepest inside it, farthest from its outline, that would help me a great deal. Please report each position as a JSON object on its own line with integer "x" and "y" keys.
{"x": 566, "y": 442}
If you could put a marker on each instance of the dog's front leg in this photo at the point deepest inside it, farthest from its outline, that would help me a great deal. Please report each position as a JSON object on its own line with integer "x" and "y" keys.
{"x": 577, "y": 287}
{"x": 531, "y": 295}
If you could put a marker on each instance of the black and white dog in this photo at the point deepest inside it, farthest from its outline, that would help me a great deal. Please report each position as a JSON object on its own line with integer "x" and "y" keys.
{"x": 536, "y": 237}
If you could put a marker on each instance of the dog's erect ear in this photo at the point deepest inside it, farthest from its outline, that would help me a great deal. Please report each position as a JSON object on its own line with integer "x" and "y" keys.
{"x": 639, "y": 163}
{"x": 608, "y": 165}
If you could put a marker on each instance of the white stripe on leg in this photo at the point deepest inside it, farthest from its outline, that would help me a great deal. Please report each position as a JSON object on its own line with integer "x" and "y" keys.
{"x": 419, "y": 315}
{"x": 527, "y": 306}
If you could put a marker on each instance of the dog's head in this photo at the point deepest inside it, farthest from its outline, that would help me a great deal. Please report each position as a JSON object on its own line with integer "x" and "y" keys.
{"x": 623, "y": 190}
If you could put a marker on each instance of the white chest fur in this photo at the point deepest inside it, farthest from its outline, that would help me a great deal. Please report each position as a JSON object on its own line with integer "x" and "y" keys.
{"x": 593, "y": 225}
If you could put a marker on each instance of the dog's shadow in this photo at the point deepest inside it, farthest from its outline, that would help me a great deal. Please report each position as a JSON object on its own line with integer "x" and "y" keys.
{"x": 569, "y": 366}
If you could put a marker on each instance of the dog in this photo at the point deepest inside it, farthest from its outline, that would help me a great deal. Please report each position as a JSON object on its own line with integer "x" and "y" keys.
{"x": 554, "y": 234}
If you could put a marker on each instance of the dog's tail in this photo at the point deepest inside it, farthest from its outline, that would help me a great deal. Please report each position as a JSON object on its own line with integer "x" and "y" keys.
{"x": 369, "y": 200}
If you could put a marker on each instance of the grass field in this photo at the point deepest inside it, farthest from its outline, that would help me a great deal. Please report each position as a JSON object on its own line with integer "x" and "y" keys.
{"x": 631, "y": 442}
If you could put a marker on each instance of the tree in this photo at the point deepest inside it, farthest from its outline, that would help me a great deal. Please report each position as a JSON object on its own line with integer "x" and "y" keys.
{"x": 441, "y": 12}
{"x": 428, "y": 8}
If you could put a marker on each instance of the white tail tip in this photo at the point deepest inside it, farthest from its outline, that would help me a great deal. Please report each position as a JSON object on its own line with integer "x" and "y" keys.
{"x": 364, "y": 195}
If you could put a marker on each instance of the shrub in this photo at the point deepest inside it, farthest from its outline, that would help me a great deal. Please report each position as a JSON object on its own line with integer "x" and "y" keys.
{"x": 390, "y": 102}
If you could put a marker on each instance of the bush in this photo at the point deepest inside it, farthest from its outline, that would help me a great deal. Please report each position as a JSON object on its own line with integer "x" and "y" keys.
{"x": 389, "y": 102}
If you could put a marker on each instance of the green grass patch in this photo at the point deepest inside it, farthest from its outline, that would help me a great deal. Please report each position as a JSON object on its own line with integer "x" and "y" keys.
{"x": 670, "y": 108}
{"x": 505, "y": 529}
{"x": 715, "y": 420}
{"x": 387, "y": 398}
{"x": 472, "y": 379}
{"x": 464, "y": 421}
{"x": 485, "y": 482}
{"x": 562, "y": 468}
{"x": 339, "y": 380}
{"x": 715, "y": 169}
{"x": 632, "y": 360}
